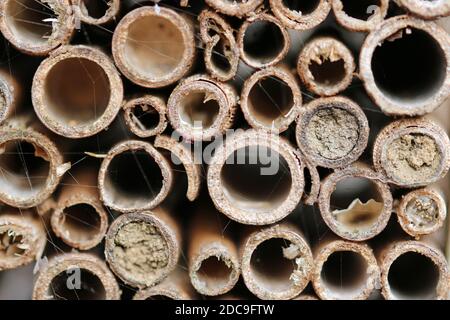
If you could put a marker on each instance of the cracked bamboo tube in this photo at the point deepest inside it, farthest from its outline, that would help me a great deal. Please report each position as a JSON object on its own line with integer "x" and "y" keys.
{"x": 412, "y": 152}
{"x": 142, "y": 249}
{"x": 80, "y": 105}
{"x": 96, "y": 12}
{"x": 403, "y": 65}
{"x": 428, "y": 10}
{"x": 235, "y": 8}
{"x": 361, "y": 16}
{"x": 154, "y": 46}
{"x": 10, "y": 95}
{"x": 255, "y": 178}
{"x": 276, "y": 262}
{"x": 36, "y": 27}
{"x": 300, "y": 15}
{"x": 75, "y": 276}
{"x": 326, "y": 66}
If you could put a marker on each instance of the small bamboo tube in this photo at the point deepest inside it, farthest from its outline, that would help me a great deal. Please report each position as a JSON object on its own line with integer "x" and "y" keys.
{"x": 234, "y": 8}
{"x": 361, "y": 16}
{"x": 96, "y": 12}
{"x": 301, "y": 15}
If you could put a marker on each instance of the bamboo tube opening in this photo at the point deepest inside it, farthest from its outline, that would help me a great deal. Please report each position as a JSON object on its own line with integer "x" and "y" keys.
{"x": 300, "y": 15}
{"x": 214, "y": 274}
{"x": 146, "y": 116}
{"x": 36, "y": 26}
{"x": 345, "y": 269}
{"x": 363, "y": 15}
{"x": 426, "y": 9}
{"x": 236, "y": 8}
{"x": 97, "y": 11}
{"x": 91, "y": 290}
{"x": 154, "y": 49}
{"x": 404, "y": 66}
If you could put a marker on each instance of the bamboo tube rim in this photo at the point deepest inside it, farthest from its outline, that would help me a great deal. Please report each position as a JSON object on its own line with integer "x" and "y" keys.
{"x": 234, "y": 8}
{"x": 428, "y": 10}
{"x": 110, "y": 14}
{"x": 298, "y": 21}
{"x": 359, "y": 25}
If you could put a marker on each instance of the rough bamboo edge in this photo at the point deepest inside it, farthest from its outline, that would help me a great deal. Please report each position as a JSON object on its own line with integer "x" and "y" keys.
{"x": 68, "y": 261}
{"x": 371, "y": 274}
{"x": 121, "y": 37}
{"x": 192, "y": 169}
{"x": 298, "y": 21}
{"x": 168, "y": 231}
{"x": 396, "y": 249}
{"x": 255, "y": 61}
{"x": 359, "y": 25}
{"x": 412, "y": 133}
{"x": 10, "y": 95}
{"x": 212, "y": 22}
{"x": 27, "y": 225}
{"x": 153, "y": 103}
{"x": 83, "y": 13}
{"x": 329, "y": 186}
{"x": 428, "y": 10}
{"x": 299, "y": 252}
{"x": 383, "y": 32}
{"x": 421, "y": 212}
{"x": 337, "y": 115}
{"x": 207, "y": 241}
{"x": 321, "y": 50}
{"x": 62, "y": 29}
{"x": 21, "y": 129}
{"x": 225, "y": 96}
{"x": 106, "y": 194}
{"x": 310, "y": 198}
{"x": 246, "y": 139}
{"x": 281, "y": 123}
{"x": 234, "y": 8}
{"x": 76, "y": 129}
{"x": 85, "y": 192}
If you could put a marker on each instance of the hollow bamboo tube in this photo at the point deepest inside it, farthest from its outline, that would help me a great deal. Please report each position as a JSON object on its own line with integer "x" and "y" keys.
{"x": 201, "y": 108}
{"x": 154, "y": 47}
{"x": 403, "y": 66}
{"x": 234, "y": 8}
{"x": 76, "y": 276}
{"x": 326, "y": 66}
{"x": 22, "y": 238}
{"x": 142, "y": 249}
{"x": 344, "y": 270}
{"x": 276, "y": 262}
{"x": 311, "y": 194}
{"x": 221, "y": 54}
{"x": 80, "y": 105}
{"x": 96, "y": 12}
{"x": 79, "y": 218}
{"x": 255, "y": 178}
{"x": 332, "y": 132}
{"x": 262, "y": 41}
{"x": 10, "y": 95}
{"x": 214, "y": 266}
{"x": 300, "y": 15}
{"x": 31, "y": 164}
{"x": 361, "y": 16}
{"x": 428, "y": 10}
{"x": 134, "y": 176}
{"x": 368, "y": 204}
{"x": 412, "y": 152}
{"x": 413, "y": 270}
{"x": 36, "y": 27}
{"x": 271, "y": 99}
{"x": 145, "y": 115}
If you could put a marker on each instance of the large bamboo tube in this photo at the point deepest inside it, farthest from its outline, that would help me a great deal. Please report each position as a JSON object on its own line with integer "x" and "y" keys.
{"x": 426, "y": 9}
{"x": 10, "y": 95}
{"x": 235, "y": 8}
{"x": 403, "y": 64}
{"x": 96, "y": 12}
{"x": 154, "y": 47}
{"x": 76, "y": 276}
{"x": 300, "y": 15}
{"x": 362, "y": 16}
{"x": 37, "y": 27}
{"x": 255, "y": 178}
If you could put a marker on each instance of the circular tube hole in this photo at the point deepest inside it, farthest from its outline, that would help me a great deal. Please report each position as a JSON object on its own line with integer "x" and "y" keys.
{"x": 198, "y": 110}
{"x": 214, "y": 273}
{"x": 263, "y": 41}
{"x": 81, "y": 221}
{"x": 94, "y": 8}
{"x": 85, "y": 286}
{"x": 219, "y": 57}
{"x": 328, "y": 72}
{"x": 304, "y": 7}
{"x": 145, "y": 117}
{"x": 362, "y": 9}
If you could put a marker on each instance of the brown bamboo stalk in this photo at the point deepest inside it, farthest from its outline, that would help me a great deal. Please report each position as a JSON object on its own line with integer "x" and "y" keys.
{"x": 79, "y": 218}
{"x": 332, "y": 132}
{"x": 412, "y": 152}
{"x": 22, "y": 238}
{"x": 201, "y": 108}
{"x": 220, "y": 46}
{"x": 134, "y": 176}
{"x": 276, "y": 262}
{"x": 142, "y": 249}
{"x": 428, "y": 10}
{"x": 326, "y": 66}
{"x": 363, "y": 218}
{"x": 10, "y": 95}
{"x": 271, "y": 99}
{"x": 80, "y": 105}
{"x": 364, "y": 17}
{"x": 140, "y": 115}
{"x": 57, "y": 280}
{"x": 262, "y": 41}
{"x": 154, "y": 46}
{"x": 234, "y": 8}
{"x": 29, "y": 28}
{"x": 90, "y": 12}
{"x": 402, "y": 82}
{"x": 243, "y": 190}
{"x": 301, "y": 15}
